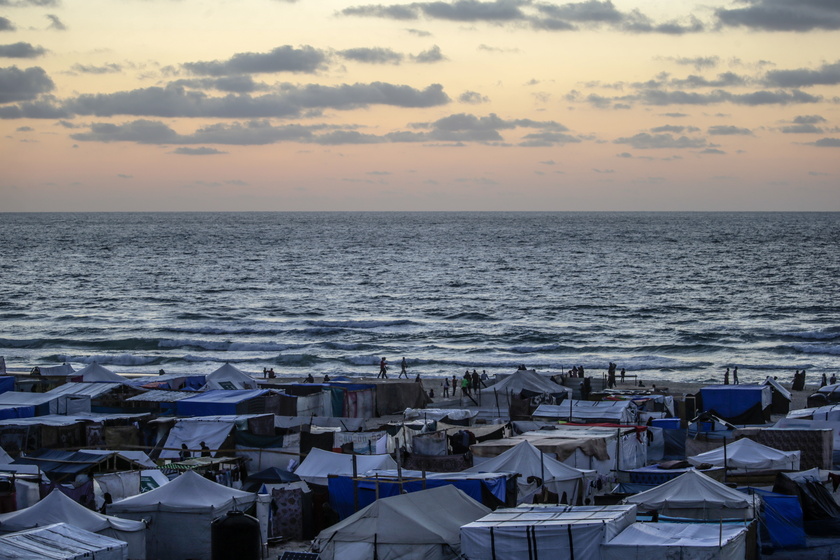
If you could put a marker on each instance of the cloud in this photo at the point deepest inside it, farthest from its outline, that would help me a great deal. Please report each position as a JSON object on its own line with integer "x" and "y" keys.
{"x": 677, "y": 129}
{"x": 472, "y": 98}
{"x": 197, "y": 151}
{"x": 46, "y": 108}
{"x": 290, "y": 101}
{"x": 646, "y": 141}
{"x": 6, "y": 24}
{"x": 24, "y": 3}
{"x": 56, "y": 23}
{"x": 418, "y": 32}
{"x": 21, "y": 50}
{"x": 110, "y": 68}
{"x": 428, "y": 56}
{"x": 728, "y": 130}
{"x": 282, "y": 59}
{"x": 801, "y": 129}
{"x": 232, "y": 84}
{"x": 783, "y": 15}
{"x": 375, "y": 55}
{"x": 827, "y": 74}
{"x": 23, "y": 85}
{"x": 698, "y": 62}
{"x": 827, "y": 143}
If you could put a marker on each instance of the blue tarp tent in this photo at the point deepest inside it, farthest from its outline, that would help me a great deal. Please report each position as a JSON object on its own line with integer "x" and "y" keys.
{"x": 7, "y": 383}
{"x": 481, "y": 487}
{"x": 739, "y": 404}
{"x": 220, "y": 402}
{"x": 781, "y": 518}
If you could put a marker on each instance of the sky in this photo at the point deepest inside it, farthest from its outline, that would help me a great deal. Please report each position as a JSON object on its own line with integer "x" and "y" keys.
{"x": 302, "y": 105}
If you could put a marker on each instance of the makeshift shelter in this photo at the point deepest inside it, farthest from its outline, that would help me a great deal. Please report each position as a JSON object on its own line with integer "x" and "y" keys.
{"x": 230, "y": 378}
{"x": 528, "y": 383}
{"x": 41, "y": 404}
{"x": 180, "y": 514}
{"x": 820, "y": 511}
{"x": 60, "y": 541}
{"x": 781, "y": 520}
{"x": 694, "y": 495}
{"x": 738, "y": 404}
{"x": 94, "y": 373}
{"x": 589, "y": 412}
{"x": 537, "y": 471}
{"x": 418, "y": 526}
{"x": 686, "y": 541}
{"x": 544, "y": 532}
{"x": 780, "y": 403}
{"x": 745, "y": 456}
{"x": 271, "y": 475}
{"x": 58, "y": 508}
{"x": 64, "y": 370}
{"x": 320, "y": 464}
{"x": 217, "y": 402}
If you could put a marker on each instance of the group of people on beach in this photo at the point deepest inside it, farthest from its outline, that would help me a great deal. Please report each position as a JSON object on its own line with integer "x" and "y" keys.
{"x": 611, "y": 375}
{"x": 735, "y": 380}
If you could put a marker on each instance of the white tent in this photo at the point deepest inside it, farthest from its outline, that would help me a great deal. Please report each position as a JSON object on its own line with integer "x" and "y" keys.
{"x": 417, "y": 526}
{"x": 319, "y": 464}
{"x": 60, "y": 542}
{"x": 746, "y": 455}
{"x": 696, "y": 496}
{"x": 687, "y": 541}
{"x": 59, "y": 508}
{"x": 229, "y": 377}
{"x": 530, "y": 463}
{"x": 180, "y": 514}
{"x": 529, "y": 381}
{"x": 616, "y": 412}
{"x": 94, "y": 373}
{"x": 57, "y": 371}
{"x": 544, "y": 532}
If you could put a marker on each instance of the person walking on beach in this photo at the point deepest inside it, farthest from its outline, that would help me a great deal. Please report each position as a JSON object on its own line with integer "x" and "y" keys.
{"x": 403, "y": 367}
{"x": 726, "y": 377}
{"x": 465, "y": 385}
{"x": 476, "y": 381}
{"x": 735, "y": 376}
{"x": 833, "y": 379}
{"x": 383, "y": 369}
{"x": 445, "y": 387}
{"x": 824, "y": 381}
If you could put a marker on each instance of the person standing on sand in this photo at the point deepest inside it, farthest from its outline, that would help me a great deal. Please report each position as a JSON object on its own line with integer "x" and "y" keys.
{"x": 465, "y": 386}
{"x": 476, "y": 381}
{"x": 445, "y": 387}
{"x": 726, "y": 377}
{"x": 383, "y": 369}
{"x": 622, "y": 375}
{"x": 735, "y": 376}
{"x": 403, "y": 367}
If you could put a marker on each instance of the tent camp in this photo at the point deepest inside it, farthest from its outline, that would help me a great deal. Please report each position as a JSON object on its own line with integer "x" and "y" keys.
{"x": 319, "y": 464}
{"x": 94, "y": 373}
{"x": 694, "y": 495}
{"x": 417, "y": 526}
{"x": 59, "y": 508}
{"x": 229, "y": 377}
{"x": 534, "y": 466}
{"x": 745, "y": 455}
{"x": 180, "y": 514}
{"x": 544, "y": 532}
{"x": 687, "y": 541}
{"x": 60, "y": 541}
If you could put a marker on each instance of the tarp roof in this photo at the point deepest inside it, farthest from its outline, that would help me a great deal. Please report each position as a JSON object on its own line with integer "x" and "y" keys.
{"x": 230, "y": 377}
{"x": 160, "y": 395}
{"x": 690, "y": 490}
{"x": 319, "y": 464}
{"x": 530, "y": 381}
{"x": 429, "y": 516}
{"x": 225, "y": 396}
{"x": 748, "y": 454}
{"x": 60, "y": 508}
{"x": 58, "y": 462}
{"x": 94, "y": 373}
{"x": 622, "y": 412}
{"x": 62, "y": 420}
{"x": 777, "y": 387}
{"x": 677, "y": 535}
{"x": 188, "y": 493}
{"x": 90, "y": 389}
{"x": 57, "y": 371}
{"x": 60, "y": 542}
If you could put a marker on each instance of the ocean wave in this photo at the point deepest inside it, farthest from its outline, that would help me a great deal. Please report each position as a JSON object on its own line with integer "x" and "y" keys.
{"x": 361, "y": 324}
{"x": 108, "y": 359}
{"x": 825, "y": 334}
{"x": 470, "y": 316}
{"x": 827, "y": 349}
{"x": 226, "y": 346}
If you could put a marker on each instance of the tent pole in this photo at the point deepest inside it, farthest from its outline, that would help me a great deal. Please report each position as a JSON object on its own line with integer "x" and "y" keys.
{"x": 355, "y": 485}
{"x": 724, "y": 459}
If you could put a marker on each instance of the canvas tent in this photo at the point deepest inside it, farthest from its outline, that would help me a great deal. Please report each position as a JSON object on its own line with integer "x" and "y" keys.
{"x": 694, "y": 495}
{"x": 738, "y": 404}
{"x": 319, "y": 464}
{"x": 589, "y": 412}
{"x": 231, "y": 378}
{"x": 686, "y": 541}
{"x": 417, "y": 526}
{"x": 532, "y": 465}
{"x": 529, "y": 383}
{"x": 746, "y": 455}
{"x": 180, "y": 514}
{"x": 60, "y": 541}
{"x": 544, "y": 532}
{"x": 94, "y": 373}
{"x": 59, "y": 508}
{"x": 781, "y": 397}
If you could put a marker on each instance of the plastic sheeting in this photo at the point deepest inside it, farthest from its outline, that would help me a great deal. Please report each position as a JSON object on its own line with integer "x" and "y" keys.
{"x": 319, "y": 464}
{"x": 643, "y": 541}
{"x": 213, "y": 434}
{"x": 61, "y": 542}
{"x": 731, "y": 401}
{"x": 745, "y": 455}
{"x": 618, "y": 412}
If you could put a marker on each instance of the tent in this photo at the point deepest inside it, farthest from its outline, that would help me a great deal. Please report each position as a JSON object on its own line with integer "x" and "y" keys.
{"x": 180, "y": 514}
{"x": 417, "y": 526}
{"x": 94, "y": 373}
{"x": 687, "y": 541}
{"x": 781, "y": 397}
{"x": 544, "y": 532}
{"x": 217, "y": 402}
{"x": 229, "y": 377}
{"x": 529, "y": 383}
{"x": 271, "y": 475}
{"x": 782, "y": 522}
{"x": 746, "y": 455}
{"x": 60, "y": 541}
{"x": 739, "y": 404}
{"x": 589, "y": 412}
{"x": 694, "y": 495}
{"x": 319, "y": 464}
{"x": 59, "y": 508}
{"x": 532, "y": 466}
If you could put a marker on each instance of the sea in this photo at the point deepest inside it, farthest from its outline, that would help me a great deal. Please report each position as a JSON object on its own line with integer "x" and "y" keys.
{"x": 667, "y": 296}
